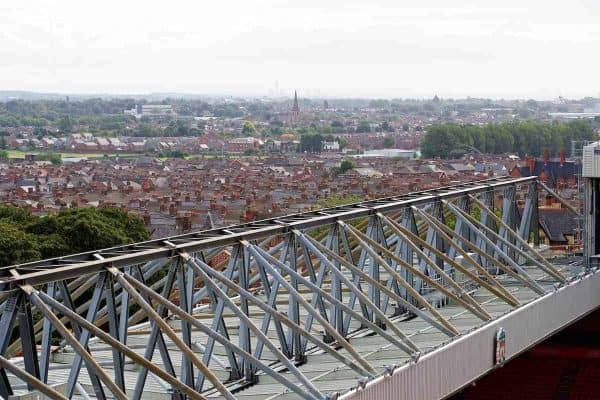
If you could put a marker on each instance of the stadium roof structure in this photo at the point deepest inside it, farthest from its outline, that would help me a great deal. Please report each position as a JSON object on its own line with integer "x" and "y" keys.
{"x": 336, "y": 303}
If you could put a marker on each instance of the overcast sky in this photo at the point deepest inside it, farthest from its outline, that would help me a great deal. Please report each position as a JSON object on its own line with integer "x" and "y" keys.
{"x": 374, "y": 48}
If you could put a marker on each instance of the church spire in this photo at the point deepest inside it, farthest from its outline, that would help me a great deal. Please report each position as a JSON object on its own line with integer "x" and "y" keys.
{"x": 295, "y": 109}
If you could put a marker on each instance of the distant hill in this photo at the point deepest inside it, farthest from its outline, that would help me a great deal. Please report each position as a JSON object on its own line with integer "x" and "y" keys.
{"x": 6, "y": 95}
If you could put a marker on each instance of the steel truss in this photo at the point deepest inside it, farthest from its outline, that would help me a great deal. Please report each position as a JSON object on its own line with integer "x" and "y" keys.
{"x": 223, "y": 309}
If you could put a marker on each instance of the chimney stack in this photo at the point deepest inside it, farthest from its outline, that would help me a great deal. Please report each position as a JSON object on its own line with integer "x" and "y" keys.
{"x": 546, "y": 156}
{"x": 531, "y": 164}
{"x": 562, "y": 156}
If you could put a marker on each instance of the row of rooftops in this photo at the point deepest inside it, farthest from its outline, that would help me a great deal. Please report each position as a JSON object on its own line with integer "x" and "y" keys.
{"x": 179, "y": 195}
{"x": 232, "y": 190}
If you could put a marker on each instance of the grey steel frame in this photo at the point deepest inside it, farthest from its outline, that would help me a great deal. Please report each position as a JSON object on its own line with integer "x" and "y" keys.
{"x": 395, "y": 257}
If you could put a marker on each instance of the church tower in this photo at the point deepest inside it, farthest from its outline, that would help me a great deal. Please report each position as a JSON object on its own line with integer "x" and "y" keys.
{"x": 295, "y": 117}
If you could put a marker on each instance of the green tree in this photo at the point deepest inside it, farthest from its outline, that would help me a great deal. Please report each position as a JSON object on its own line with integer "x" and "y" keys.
{"x": 16, "y": 215}
{"x": 25, "y": 238}
{"x": 337, "y": 126}
{"x": 523, "y": 137}
{"x": 346, "y": 165}
{"x": 438, "y": 142}
{"x": 363, "y": 127}
{"x": 387, "y": 127}
{"x": 53, "y": 245}
{"x": 326, "y": 129}
{"x": 65, "y": 124}
{"x": 178, "y": 128}
{"x": 173, "y": 154}
{"x": 16, "y": 246}
{"x": 84, "y": 229}
{"x": 54, "y": 158}
{"x": 248, "y": 129}
{"x": 87, "y": 229}
{"x": 311, "y": 143}
{"x": 388, "y": 142}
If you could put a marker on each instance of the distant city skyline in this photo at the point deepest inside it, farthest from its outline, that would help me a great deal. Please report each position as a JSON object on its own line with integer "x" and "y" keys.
{"x": 287, "y": 94}
{"x": 521, "y": 49}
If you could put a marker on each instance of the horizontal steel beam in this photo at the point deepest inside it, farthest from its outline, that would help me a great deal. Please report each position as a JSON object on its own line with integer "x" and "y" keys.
{"x": 71, "y": 266}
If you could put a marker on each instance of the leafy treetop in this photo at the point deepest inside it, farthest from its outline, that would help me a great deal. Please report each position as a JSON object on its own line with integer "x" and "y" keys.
{"x": 24, "y": 237}
{"x": 524, "y": 137}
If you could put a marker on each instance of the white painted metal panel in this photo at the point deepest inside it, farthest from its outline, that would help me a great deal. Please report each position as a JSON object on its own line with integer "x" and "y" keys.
{"x": 591, "y": 160}
{"x": 444, "y": 371}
